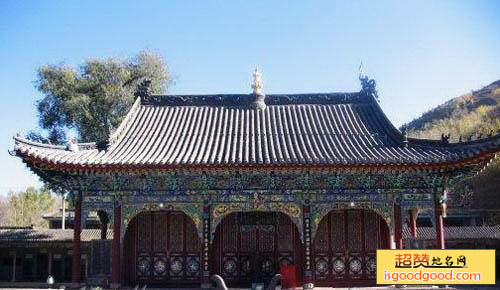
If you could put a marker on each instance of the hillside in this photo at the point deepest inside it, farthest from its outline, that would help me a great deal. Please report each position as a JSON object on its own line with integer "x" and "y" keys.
{"x": 472, "y": 116}
{"x": 476, "y": 113}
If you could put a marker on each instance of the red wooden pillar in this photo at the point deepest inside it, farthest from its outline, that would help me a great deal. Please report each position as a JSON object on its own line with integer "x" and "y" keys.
{"x": 76, "y": 253}
{"x": 115, "y": 272}
{"x": 413, "y": 222}
{"x": 398, "y": 229}
{"x": 438, "y": 212}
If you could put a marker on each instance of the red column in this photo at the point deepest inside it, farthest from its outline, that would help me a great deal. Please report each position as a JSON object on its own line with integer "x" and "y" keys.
{"x": 413, "y": 221}
{"x": 115, "y": 272}
{"x": 438, "y": 210}
{"x": 76, "y": 254}
{"x": 398, "y": 233}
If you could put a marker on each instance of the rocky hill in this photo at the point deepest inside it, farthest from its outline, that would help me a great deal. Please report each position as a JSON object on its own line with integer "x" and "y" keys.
{"x": 470, "y": 116}
{"x": 476, "y": 113}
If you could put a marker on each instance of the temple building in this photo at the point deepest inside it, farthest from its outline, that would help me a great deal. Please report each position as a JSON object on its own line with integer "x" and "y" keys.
{"x": 240, "y": 185}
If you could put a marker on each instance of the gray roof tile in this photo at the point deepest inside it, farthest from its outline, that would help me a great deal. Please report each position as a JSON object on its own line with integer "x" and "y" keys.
{"x": 48, "y": 235}
{"x": 455, "y": 232}
{"x": 319, "y": 129}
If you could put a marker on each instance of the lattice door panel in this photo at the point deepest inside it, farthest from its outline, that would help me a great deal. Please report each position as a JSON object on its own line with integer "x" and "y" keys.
{"x": 162, "y": 248}
{"x": 250, "y": 247}
{"x": 344, "y": 248}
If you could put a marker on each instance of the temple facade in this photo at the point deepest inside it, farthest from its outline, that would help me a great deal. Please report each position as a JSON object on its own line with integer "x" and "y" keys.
{"x": 240, "y": 185}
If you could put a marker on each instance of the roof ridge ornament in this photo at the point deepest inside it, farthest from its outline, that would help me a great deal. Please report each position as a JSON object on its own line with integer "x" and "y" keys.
{"x": 257, "y": 85}
{"x": 404, "y": 131}
{"x": 72, "y": 146}
{"x": 368, "y": 86}
{"x": 445, "y": 139}
{"x": 143, "y": 89}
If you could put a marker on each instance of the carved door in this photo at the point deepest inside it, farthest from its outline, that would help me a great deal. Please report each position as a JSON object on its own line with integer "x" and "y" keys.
{"x": 251, "y": 247}
{"x": 163, "y": 249}
{"x": 344, "y": 249}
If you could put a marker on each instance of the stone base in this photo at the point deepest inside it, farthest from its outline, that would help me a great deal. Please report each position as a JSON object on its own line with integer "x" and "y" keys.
{"x": 114, "y": 285}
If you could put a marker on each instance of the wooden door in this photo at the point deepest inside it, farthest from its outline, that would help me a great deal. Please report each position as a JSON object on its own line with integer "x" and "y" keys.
{"x": 163, "y": 249}
{"x": 344, "y": 248}
{"x": 251, "y": 247}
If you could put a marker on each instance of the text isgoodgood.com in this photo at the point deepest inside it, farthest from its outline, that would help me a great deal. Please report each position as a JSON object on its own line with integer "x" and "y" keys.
{"x": 425, "y": 277}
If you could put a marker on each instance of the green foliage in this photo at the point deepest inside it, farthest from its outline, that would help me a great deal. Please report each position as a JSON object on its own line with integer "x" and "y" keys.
{"x": 26, "y": 208}
{"x": 93, "y": 99}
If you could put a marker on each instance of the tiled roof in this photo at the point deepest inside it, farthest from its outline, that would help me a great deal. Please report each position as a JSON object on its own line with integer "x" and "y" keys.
{"x": 70, "y": 213}
{"x": 59, "y": 235}
{"x": 48, "y": 235}
{"x": 307, "y": 129}
{"x": 455, "y": 232}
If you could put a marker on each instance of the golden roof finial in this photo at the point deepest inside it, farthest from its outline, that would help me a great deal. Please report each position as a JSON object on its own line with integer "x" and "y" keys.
{"x": 361, "y": 70}
{"x": 257, "y": 84}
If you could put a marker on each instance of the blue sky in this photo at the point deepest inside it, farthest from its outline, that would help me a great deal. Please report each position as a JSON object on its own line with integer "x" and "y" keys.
{"x": 421, "y": 53}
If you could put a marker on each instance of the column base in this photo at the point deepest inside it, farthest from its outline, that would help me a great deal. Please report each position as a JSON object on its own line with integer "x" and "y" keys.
{"x": 76, "y": 285}
{"x": 114, "y": 285}
{"x": 206, "y": 285}
{"x": 308, "y": 286}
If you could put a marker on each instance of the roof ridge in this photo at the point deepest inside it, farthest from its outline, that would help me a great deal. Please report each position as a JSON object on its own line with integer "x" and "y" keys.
{"x": 123, "y": 125}
{"x": 436, "y": 142}
{"x": 246, "y": 99}
{"x": 19, "y": 139}
{"x": 81, "y": 146}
